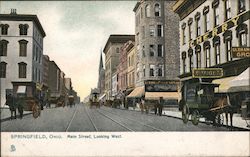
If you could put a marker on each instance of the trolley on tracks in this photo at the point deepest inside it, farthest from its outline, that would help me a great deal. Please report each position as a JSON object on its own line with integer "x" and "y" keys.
{"x": 94, "y": 98}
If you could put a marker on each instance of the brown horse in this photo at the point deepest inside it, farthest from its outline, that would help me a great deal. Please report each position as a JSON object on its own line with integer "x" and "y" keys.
{"x": 223, "y": 104}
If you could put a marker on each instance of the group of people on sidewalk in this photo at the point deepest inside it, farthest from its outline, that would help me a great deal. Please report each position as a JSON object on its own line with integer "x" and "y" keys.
{"x": 146, "y": 107}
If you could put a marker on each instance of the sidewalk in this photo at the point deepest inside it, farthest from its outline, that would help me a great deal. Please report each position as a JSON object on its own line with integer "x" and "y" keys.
{"x": 5, "y": 113}
{"x": 237, "y": 119}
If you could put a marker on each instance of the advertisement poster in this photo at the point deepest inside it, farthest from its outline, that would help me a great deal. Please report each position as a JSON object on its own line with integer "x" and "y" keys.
{"x": 135, "y": 78}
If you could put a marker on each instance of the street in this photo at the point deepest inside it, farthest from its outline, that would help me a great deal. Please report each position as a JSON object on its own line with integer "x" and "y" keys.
{"x": 83, "y": 119}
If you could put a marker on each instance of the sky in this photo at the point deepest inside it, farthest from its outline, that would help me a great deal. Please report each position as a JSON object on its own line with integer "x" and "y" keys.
{"x": 76, "y": 32}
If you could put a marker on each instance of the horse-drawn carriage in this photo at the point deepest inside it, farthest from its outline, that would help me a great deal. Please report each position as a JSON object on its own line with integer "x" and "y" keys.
{"x": 200, "y": 101}
{"x": 56, "y": 99}
{"x": 71, "y": 99}
{"x": 25, "y": 96}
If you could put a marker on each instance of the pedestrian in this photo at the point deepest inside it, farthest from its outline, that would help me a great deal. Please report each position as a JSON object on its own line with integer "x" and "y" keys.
{"x": 160, "y": 106}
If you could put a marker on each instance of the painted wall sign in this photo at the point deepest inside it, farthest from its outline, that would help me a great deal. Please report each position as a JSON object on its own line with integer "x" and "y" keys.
{"x": 207, "y": 72}
{"x": 240, "y": 52}
{"x": 161, "y": 86}
{"x": 222, "y": 28}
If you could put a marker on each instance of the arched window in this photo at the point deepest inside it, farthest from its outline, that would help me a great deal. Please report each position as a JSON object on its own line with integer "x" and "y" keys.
{"x": 241, "y": 6}
{"x": 22, "y": 67}
{"x": 216, "y": 44}
{"x": 157, "y": 10}
{"x": 4, "y": 29}
{"x": 228, "y": 44}
{"x": 241, "y": 34}
{"x": 23, "y": 29}
{"x": 183, "y": 56}
{"x": 3, "y": 70}
{"x": 198, "y": 56}
{"x": 191, "y": 62}
{"x": 206, "y": 47}
{"x": 3, "y": 47}
{"x": 147, "y": 11}
{"x": 151, "y": 70}
{"x": 23, "y": 48}
{"x": 117, "y": 50}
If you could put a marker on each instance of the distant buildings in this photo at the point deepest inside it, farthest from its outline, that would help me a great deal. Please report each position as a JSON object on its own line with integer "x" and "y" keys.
{"x": 101, "y": 77}
{"x": 21, "y": 51}
{"x": 112, "y": 52}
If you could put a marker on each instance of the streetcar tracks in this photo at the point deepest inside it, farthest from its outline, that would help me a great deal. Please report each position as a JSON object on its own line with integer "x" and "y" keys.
{"x": 152, "y": 127}
{"x": 91, "y": 120}
{"x": 115, "y": 121}
{"x": 71, "y": 119}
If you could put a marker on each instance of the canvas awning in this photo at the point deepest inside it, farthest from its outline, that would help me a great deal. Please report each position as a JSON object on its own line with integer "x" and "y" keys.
{"x": 241, "y": 83}
{"x": 165, "y": 95}
{"x": 137, "y": 92}
{"x": 21, "y": 89}
{"x": 101, "y": 97}
{"x": 224, "y": 84}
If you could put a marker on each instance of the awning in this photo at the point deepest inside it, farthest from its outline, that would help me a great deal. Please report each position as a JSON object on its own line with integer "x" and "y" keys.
{"x": 137, "y": 92}
{"x": 224, "y": 84}
{"x": 101, "y": 97}
{"x": 241, "y": 83}
{"x": 21, "y": 89}
{"x": 165, "y": 95}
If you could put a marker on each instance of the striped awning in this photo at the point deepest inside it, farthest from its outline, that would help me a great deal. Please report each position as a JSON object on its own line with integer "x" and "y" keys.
{"x": 137, "y": 92}
{"x": 224, "y": 84}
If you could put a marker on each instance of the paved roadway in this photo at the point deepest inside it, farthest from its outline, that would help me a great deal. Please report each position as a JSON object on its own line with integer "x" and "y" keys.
{"x": 83, "y": 119}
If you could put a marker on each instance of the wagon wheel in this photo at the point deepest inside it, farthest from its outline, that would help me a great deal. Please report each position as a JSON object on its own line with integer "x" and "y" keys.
{"x": 219, "y": 119}
{"x": 35, "y": 111}
{"x": 185, "y": 114}
{"x": 195, "y": 117}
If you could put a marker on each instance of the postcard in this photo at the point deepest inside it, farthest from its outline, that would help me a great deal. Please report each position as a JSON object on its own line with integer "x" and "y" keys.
{"x": 125, "y": 78}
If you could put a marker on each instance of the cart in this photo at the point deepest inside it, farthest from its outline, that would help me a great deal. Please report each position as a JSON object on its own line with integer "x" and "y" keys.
{"x": 199, "y": 101}
{"x": 71, "y": 100}
{"x": 26, "y": 98}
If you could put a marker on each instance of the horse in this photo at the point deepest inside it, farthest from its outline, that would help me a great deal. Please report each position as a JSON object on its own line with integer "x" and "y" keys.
{"x": 224, "y": 104}
{"x": 10, "y": 102}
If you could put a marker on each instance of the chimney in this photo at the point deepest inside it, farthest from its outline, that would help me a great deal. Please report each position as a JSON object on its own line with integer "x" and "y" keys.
{"x": 13, "y": 11}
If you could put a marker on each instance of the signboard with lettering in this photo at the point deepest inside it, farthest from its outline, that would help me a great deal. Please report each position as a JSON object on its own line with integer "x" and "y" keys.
{"x": 161, "y": 85}
{"x": 207, "y": 72}
{"x": 240, "y": 52}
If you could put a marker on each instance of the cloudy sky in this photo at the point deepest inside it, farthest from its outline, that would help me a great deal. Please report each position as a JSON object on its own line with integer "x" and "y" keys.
{"x": 76, "y": 32}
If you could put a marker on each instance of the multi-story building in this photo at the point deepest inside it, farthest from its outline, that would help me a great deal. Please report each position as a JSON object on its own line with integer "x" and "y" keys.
{"x": 45, "y": 75}
{"x": 156, "y": 41}
{"x": 122, "y": 69}
{"x": 156, "y": 47}
{"x": 21, "y": 50}
{"x": 54, "y": 79}
{"x": 114, "y": 85}
{"x": 131, "y": 67}
{"x": 112, "y": 52}
{"x": 209, "y": 29}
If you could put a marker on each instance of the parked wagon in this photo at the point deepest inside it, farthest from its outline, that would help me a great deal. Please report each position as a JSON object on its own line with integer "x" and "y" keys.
{"x": 26, "y": 97}
{"x": 199, "y": 101}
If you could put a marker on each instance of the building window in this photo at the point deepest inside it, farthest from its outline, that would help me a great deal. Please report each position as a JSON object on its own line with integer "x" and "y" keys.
{"x": 22, "y": 69}
{"x": 159, "y": 31}
{"x": 151, "y": 30}
{"x": 4, "y": 29}
{"x": 198, "y": 56}
{"x": 206, "y": 20}
{"x": 23, "y": 29}
{"x": 23, "y": 48}
{"x": 144, "y": 71}
{"x": 207, "y": 57}
{"x": 227, "y": 10}
{"x": 228, "y": 49}
{"x": 3, "y": 70}
{"x": 198, "y": 24}
{"x": 3, "y": 47}
{"x": 217, "y": 53}
{"x": 157, "y": 10}
{"x": 216, "y": 16}
{"x": 243, "y": 39}
{"x": 183, "y": 56}
{"x": 160, "y": 50}
{"x": 141, "y": 14}
{"x": 160, "y": 70}
{"x": 151, "y": 70}
{"x": 147, "y": 11}
{"x": 151, "y": 50}
{"x": 241, "y": 6}
{"x": 117, "y": 50}
{"x": 191, "y": 62}
{"x": 183, "y": 33}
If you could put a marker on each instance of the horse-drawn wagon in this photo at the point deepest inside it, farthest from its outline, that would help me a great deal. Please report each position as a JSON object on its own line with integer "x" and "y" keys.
{"x": 71, "y": 99}
{"x": 200, "y": 101}
{"x": 26, "y": 98}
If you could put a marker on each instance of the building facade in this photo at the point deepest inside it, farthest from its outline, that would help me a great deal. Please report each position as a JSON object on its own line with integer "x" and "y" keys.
{"x": 156, "y": 41}
{"x": 114, "y": 85}
{"x": 54, "y": 79}
{"x": 101, "y": 77}
{"x": 131, "y": 67}
{"x": 112, "y": 52}
{"x": 208, "y": 31}
{"x": 45, "y": 75}
{"x": 21, "y": 50}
